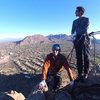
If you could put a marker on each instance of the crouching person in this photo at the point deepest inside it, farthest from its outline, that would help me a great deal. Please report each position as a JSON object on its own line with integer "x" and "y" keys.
{"x": 53, "y": 65}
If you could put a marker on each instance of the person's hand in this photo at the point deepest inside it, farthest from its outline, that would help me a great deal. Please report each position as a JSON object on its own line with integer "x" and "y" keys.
{"x": 43, "y": 85}
{"x": 71, "y": 83}
{"x": 73, "y": 36}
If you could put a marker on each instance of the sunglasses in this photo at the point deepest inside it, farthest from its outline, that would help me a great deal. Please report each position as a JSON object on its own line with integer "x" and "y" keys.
{"x": 55, "y": 50}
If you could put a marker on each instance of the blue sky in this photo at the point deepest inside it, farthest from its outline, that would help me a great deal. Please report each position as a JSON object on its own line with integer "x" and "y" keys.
{"x": 20, "y": 18}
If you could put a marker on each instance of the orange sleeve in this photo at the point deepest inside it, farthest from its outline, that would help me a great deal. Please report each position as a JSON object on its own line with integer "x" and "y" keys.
{"x": 45, "y": 68}
{"x": 69, "y": 70}
{"x": 70, "y": 73}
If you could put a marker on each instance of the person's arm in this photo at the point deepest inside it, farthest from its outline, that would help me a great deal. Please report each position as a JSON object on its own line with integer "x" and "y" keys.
{"x": 45, "y": 68}
{"x": 86, "y": 25}
{"x": 70, "y": 73}
{"x": 43, "y": 85}
{"x": 73, "y": 28}
{"x": 73, "y": 31}
{"x": 69, "y": 70}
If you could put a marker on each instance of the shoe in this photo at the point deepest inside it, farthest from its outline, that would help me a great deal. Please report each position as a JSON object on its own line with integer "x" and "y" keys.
{"x": 85, "y": 76}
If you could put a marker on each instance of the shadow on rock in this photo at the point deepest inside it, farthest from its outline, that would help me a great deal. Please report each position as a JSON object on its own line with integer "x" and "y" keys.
{"x": 22, "y": 83}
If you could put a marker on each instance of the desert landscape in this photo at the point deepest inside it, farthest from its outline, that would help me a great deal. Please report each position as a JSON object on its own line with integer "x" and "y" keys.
{"x": 21, "y": 65}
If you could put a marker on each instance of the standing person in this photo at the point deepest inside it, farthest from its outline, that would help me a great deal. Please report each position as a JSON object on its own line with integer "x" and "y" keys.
{"x": 52, "y": 68}
{"x": 81, "y": 43}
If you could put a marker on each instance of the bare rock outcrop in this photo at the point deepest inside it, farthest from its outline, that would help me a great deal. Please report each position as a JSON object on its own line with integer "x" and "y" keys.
{"x": 37, "y": 94}
{"x": 12, "y": 95}
{"x": 34, "y": 39}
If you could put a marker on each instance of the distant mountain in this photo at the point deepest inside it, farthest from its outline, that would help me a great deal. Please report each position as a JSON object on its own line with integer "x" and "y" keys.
{"x": 46, "y": 39}
{"x": 33, "y": 39}
{"x": 43, "y": 39}
{"x": 63, "y": 37}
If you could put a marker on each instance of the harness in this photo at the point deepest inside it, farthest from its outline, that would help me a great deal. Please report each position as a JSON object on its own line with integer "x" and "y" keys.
{"x": 69, "y": 57}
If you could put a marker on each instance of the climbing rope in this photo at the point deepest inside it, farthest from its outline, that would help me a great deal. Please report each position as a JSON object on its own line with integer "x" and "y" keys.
{"x": 94, "y": 44}
{"x": 69, "y": 57}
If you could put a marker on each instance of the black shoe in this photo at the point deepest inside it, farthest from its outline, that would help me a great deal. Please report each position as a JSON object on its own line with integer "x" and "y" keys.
{"x": 84, "y": 78}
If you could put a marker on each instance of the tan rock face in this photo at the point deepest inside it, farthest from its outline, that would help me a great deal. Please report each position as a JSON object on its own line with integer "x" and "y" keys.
{"x": 13, "y": 95}
{"x": 16, "y": 96}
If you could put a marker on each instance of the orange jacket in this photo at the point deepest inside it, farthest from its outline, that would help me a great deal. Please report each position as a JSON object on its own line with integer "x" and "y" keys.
{"x": 56, "y": 64}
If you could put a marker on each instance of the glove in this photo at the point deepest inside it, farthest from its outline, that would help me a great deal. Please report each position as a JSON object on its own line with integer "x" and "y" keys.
{"x": 71, "y": 83}
{"x": 43, "y": 85}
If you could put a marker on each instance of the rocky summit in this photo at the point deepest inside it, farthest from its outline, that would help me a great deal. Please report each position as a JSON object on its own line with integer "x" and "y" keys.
{"x": 21, "y": 67}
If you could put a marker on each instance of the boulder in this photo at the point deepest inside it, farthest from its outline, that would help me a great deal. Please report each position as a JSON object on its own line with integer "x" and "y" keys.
{"x": 12, "y": 95}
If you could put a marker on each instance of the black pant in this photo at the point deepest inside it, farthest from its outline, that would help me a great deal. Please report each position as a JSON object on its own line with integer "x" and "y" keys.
{"x": 53, "y": 82}
{"x": 82, "y": 54}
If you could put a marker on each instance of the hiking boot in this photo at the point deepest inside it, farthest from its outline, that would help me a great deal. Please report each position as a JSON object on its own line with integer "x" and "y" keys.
{"x": 84, "y": 78}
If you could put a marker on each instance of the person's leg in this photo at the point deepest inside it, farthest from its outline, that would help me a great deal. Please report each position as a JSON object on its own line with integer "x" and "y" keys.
{"x": 86, "y": 61}
{"x": 78, "y": 49}
{"x": 53, "y": 82}
{"x": 50, "y": 82}
{"x": 57, "y": 82}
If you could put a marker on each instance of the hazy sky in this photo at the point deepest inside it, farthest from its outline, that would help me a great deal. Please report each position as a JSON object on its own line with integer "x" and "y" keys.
{"x": 19, "y": 18}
